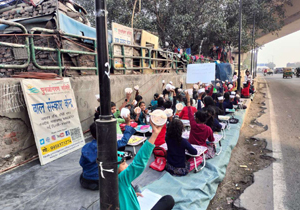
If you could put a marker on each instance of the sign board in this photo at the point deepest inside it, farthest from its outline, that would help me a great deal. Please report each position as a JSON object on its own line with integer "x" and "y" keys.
{"x": 54, "y": 117}
{"x": 123, "y": 35}
{"x": 204, "y": 72}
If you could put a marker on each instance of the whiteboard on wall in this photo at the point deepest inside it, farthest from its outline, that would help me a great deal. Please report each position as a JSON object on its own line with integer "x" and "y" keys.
{"x": 204, "y": 72}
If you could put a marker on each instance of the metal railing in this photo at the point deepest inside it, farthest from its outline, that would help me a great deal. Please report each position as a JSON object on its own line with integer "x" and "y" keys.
{"x": 124, "y": 57}
{"x": 59, "y": 52}
{"x": 155, "y": 60}
{"x": 13, "y": 45}
{"x": 149, "y": 60}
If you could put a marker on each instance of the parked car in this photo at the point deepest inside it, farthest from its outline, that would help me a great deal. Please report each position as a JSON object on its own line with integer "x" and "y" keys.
{"x": 278, "y": 71}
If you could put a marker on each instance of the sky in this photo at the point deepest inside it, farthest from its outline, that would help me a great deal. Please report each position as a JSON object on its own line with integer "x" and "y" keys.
{"x": 281, "y": 51}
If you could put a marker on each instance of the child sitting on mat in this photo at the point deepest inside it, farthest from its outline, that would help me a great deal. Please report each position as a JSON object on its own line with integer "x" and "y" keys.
{"x": 227, "y": 104}
{"x": 141, "y": 117}
{"x": 128, "y": 173}
{"x": 184, "y": 112}
{"x": 90, "y": 177}
{"x": 246, "y": 90}
{"x": 199, "y": 131}
{"x": 176, "y": 161}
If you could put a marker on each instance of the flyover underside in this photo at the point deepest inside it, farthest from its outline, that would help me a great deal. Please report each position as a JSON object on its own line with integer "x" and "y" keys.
{"x": 291, "y": 24}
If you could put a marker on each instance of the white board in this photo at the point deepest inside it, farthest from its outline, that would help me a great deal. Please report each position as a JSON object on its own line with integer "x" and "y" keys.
{"x": 53, "y": 114}
{"x": 204, "y": 72}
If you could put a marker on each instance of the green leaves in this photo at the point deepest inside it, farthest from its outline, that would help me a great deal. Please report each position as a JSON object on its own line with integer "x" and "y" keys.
{"x": 184, "y": 23}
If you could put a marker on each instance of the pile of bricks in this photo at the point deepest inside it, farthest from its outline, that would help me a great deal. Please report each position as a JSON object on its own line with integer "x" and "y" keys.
{"x": 43, "y": 58}
{"x": 26, "y": 11}
{"x": 7, "y": 55}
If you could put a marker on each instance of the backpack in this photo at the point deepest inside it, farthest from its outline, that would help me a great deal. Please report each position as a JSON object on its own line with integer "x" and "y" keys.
{"x": 199, "y": 160}
{"x": 160, "y": 161}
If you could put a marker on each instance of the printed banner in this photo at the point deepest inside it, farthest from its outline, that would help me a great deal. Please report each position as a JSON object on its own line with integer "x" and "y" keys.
{"x": 54, "y": 117}
{"x": 204, "y": 72}
{"x": 123, "y": 35}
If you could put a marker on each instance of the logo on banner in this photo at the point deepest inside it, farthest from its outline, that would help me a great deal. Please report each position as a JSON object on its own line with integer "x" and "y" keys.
{"x": 48, "y": 139}
{"x": 67, "y": 133}
{"x": 42, "y": 141}
{"x": 53, "y": 138}
{"x": 32, "y": 89}
{"x": 61, "y": 135}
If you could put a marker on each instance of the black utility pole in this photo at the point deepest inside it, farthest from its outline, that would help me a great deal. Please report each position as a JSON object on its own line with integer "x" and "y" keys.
{"x": 253, "y": 46}
{"x": 240, "y": 44}
{"x": 106, "y": 125}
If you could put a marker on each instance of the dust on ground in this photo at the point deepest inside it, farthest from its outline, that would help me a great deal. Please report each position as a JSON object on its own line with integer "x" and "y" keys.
{"x": 250, "y": 155}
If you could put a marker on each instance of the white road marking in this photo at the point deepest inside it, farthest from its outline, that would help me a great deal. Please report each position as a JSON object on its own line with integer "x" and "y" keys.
{"x": 279, "y": 184}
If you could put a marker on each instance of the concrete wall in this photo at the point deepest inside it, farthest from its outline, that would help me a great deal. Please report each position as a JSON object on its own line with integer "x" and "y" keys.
{"x": 16, "y": 137}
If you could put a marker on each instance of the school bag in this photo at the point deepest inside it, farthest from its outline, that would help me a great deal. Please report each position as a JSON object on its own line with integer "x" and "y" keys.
{"x": 199, "y": 160}
{"x": 160, "y": 161}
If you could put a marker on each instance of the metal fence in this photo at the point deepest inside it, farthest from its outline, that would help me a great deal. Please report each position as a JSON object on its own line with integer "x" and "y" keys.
{"x": 147, "y": 58}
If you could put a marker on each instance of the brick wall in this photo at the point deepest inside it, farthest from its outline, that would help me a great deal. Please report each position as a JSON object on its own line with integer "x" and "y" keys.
{"x": 26, "y": 11}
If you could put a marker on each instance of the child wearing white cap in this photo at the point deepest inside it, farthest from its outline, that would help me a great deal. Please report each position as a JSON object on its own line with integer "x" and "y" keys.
{"x": 230, "y": 86}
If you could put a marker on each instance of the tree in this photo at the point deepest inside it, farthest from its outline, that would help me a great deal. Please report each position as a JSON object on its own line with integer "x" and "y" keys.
{"x": 185, "y": 23}
{"x": 271, "y": 65}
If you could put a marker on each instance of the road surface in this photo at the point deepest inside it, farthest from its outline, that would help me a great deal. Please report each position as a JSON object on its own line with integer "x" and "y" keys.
{"x": 283, "y": 113}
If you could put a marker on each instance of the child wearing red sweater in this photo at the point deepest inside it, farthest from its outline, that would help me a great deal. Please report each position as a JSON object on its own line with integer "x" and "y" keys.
{"x": 200, "y": 132}
{"x": 184, "y": 112}
{"x": 246, "y": 90}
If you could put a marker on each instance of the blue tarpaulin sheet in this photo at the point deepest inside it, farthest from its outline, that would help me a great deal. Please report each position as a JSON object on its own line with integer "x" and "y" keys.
{"x": 195, "y": 191}
{"x": 7, "y": 3}
{"x": 224, "y": 71}
{"x": 71, "y": 26}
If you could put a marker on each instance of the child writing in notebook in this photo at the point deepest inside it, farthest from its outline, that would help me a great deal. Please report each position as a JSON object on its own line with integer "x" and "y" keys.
{"x": 128, "y": 173}
{"x": 199, "y": 131}
{"x": 177, "y": 164}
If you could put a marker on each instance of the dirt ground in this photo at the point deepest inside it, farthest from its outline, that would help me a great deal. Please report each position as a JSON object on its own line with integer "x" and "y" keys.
{"x": 249, "y": 156}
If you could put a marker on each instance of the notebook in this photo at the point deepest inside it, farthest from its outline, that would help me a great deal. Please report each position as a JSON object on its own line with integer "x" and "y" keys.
{"x": 148, "y": 200}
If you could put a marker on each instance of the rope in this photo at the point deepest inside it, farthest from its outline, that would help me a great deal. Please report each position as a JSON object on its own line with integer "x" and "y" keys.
{"x": 102, "y": 169}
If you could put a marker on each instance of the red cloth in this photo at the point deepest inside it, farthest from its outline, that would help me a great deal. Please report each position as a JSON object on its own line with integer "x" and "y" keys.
{"x": 161, "y": 136}
{"x": 225, "y": 88}
{"x": 211, "y": 91}
{"x": 184, "y": 113}
{"x": 245, "y": 91}
{"x": 199, "y": 132}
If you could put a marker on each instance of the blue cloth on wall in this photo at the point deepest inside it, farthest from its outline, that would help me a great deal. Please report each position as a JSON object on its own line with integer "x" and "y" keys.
{"x": 224, "y": 71}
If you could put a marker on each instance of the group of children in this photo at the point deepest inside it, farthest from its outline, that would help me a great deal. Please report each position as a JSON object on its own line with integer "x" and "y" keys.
{"x": 201, "y": 108}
